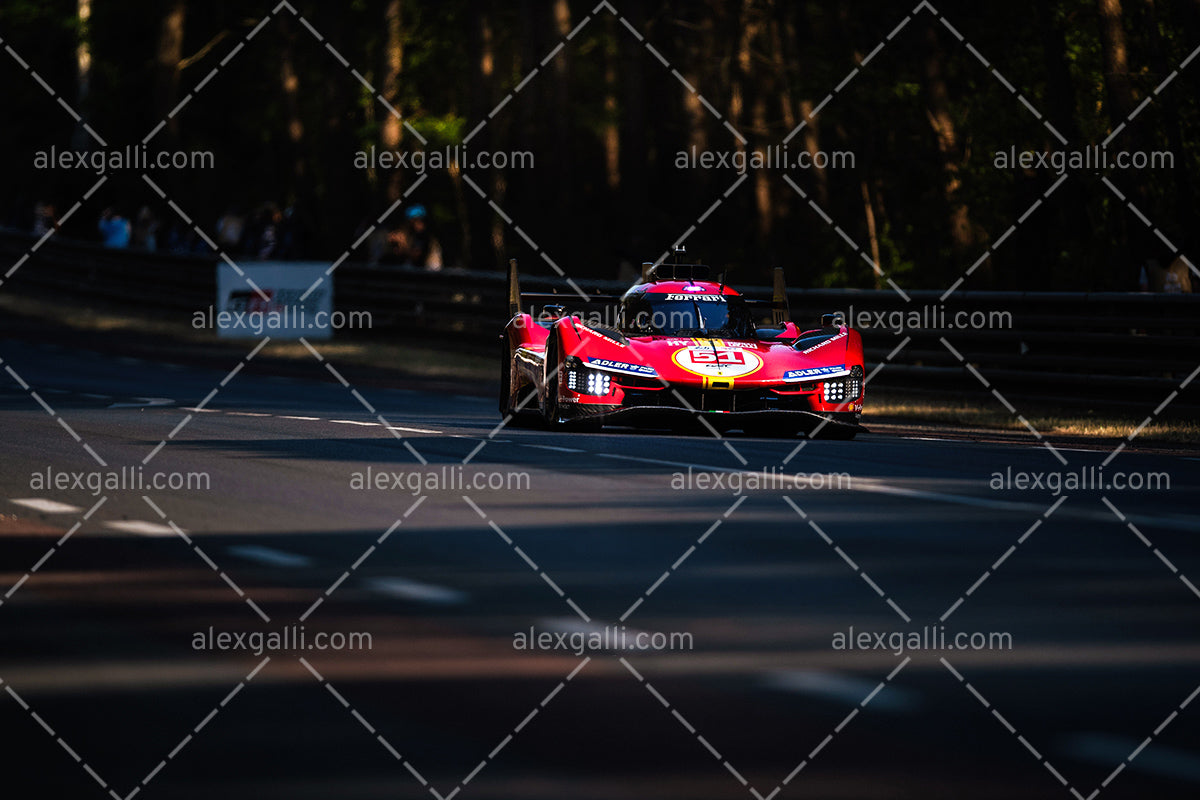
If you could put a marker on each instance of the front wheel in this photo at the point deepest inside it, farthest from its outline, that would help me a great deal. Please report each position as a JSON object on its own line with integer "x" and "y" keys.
{"x": 551, "y": 411}
{"x": 553, "y": 367}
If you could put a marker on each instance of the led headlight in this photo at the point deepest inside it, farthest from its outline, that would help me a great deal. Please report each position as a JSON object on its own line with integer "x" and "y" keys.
{"x": 586, "y": 381}
{"x": 835, "y": 391}
{"x": 597, "y": 383}
{"x": 854, "y": 384}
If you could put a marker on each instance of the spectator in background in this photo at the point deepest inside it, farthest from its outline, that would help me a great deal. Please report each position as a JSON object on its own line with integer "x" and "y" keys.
{"x": 413, "y": 244}
{"x": 377, "y": 240}
{"x": 230, "y": 229}
{"x": 44, "y": 219}
{"x": 145, "y": 230}
{"x": 1174, "y": 279}
{"x": 270, "y": 236}
{"x": 115, "y": 230}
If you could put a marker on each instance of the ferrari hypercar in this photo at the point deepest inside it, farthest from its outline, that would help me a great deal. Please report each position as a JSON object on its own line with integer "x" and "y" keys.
{"x": 680, "y": 348}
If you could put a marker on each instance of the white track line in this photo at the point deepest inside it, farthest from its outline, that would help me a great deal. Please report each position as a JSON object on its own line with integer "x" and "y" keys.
{"x": 140, "y": 527}
{"x": 875, "y": 486}
{"x": 415, "y": 590}
{"x": 842, "y": 688}
{"x": 145, "y": 402}
{"x": 270, "y": 556}
{"x": 47, "y": 506}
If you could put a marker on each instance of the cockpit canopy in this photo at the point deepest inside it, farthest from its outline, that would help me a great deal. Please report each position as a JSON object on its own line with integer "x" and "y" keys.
{"x": 686, "y": 314}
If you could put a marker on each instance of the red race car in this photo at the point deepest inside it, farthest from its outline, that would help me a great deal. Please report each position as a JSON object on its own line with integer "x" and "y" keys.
{"x": 680, "y": 348}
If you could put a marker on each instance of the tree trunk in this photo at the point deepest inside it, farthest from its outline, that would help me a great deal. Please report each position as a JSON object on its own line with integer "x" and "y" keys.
{"x": 612, "y": 131}
{"x": 872, "y": 233}
{"x": 1119, "y": 92}
{"x": 476, "y": 232}
{"x": 168, "y": 55}
{"x": 938, "y": 111}
{"x": 80, "y": 140}
{"x": 1114, "y": 52}
{"x": 393, "y": 128}
{"x": 289, "y": 83}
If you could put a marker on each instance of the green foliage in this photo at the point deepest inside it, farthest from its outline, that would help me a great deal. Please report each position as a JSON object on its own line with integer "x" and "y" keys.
{"x": 605, "y": 118}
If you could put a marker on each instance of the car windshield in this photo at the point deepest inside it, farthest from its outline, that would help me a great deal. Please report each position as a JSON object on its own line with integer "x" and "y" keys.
{"x": 661, "y": 314}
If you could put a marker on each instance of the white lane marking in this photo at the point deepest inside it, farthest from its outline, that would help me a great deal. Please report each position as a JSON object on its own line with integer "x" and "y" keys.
{"x": 245, "y": 414}
{"x": 354, "y": 422}
{"x": 415, "y": 590}
{"x": 306, "y": 419}
{"x": 145, "y": 402}
{"x": 411, "y": 430}
{"x": 47, "y": 506}
{"x": 554, "y": 448}
{"x": 1105, "y": 749}
{"x": 874, "y": 486}
{"x": 96, "y": 396}
{"x": 613, "y": 637}
{"x": 270, "y": 556}
{"x": 842, "y": 688}
{"x": 140, "y": 527}
{"x": 195, "y": 410}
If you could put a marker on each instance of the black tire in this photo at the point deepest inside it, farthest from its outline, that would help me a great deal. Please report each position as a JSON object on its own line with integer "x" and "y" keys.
{"x": 509, "y": 400}
{"x": 550, "y": 410}
{"x": 553, "y": 359}
{"x": 505, "y": 378}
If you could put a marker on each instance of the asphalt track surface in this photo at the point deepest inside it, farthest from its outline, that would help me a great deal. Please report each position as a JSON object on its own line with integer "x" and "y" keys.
{"x": 105, "y": 694}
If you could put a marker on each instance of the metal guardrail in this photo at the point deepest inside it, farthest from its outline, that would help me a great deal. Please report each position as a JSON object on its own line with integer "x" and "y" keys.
{"x": 1106, "y": 349}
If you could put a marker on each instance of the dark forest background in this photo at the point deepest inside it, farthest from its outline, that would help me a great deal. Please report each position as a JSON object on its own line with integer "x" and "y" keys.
{"x": 605, "y": 120}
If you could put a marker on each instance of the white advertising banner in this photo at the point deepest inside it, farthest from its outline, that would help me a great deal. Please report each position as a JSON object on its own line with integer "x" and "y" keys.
{"x": 285, "y": 304}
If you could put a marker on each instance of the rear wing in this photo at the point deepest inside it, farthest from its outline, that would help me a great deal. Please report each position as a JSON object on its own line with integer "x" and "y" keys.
{"x": 778, "y": 304}
{"x": 517, "y": 298}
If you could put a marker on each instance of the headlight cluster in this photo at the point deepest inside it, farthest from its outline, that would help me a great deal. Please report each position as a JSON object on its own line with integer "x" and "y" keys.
{"x": 839, "y": 391}
{"x": 587, "y": 381}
